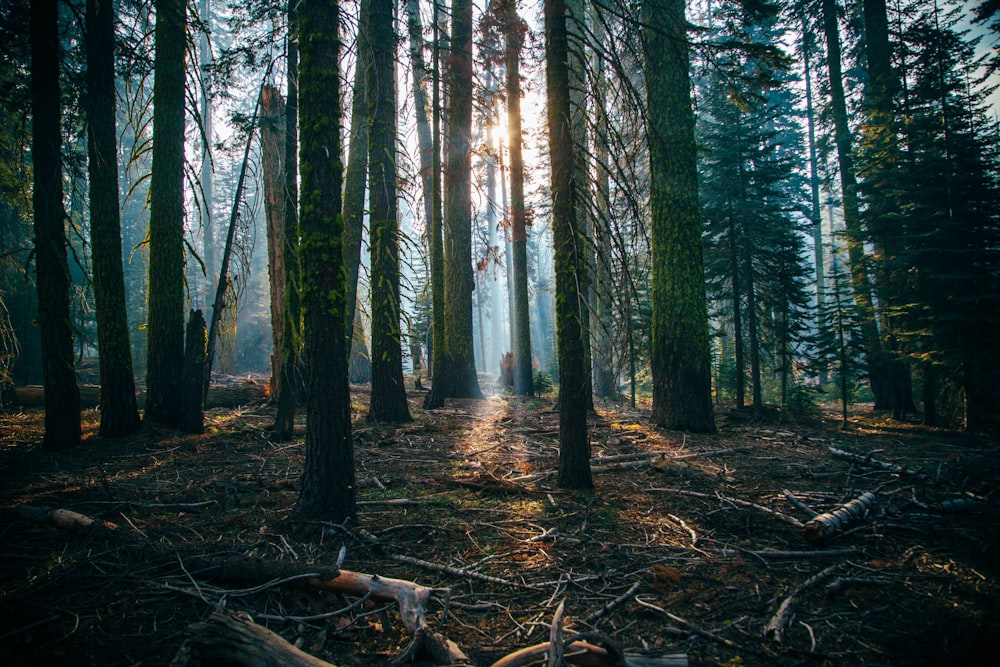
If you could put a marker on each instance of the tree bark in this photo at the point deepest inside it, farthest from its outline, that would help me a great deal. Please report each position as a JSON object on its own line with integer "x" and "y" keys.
{"x": 328, "y": 491}
{"x": 681, "y": 368}
{"x": 165, "y": 340}
{"x": 272, "y": 137}
{"x": 514, "y": 30}
{"x": 119, "y": 409}
{"x": 290, "y": 382}
{"x": 192, "y": 418}
{"x": 574, "y": 442}
{"x": 459, "y": 378}
{"x": 62, "y": 398}
{"x": 388, "y": 397}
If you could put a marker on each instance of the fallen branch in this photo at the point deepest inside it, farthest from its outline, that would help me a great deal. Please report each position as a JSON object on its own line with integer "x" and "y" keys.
{"x": 869, "y": 462}
{"x": 810, "y": 512}
{"x": 824, "y": 526}
{"x": 614, "y": 604}
{"x": 455, "y": 571}
{"x": 67, "y": 520}
{"x": 735, "y": 501}
{"x": 775, "y": 629}
{"x": 236, "y": 641}
{"x": 841, "y": 583}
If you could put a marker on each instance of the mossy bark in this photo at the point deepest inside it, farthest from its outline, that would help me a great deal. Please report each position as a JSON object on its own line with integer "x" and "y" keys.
{"x": 514, "y": 30}
{"x": 388, "y": 397}
{"x": 165, "y": 339}
{"x": 119, "y": 409}
{"x": 574, "y": 443}
{"x": 682, "y": 396}
{"x": 62, "y": 396}
{"x": 328, "y": 491}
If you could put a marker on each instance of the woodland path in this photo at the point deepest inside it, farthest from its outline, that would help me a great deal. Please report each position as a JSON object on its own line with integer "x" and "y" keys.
{"x": 689, "y": 544}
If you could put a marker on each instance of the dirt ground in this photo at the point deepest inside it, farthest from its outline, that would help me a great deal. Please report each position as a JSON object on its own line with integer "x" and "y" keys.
{"x": 688, "y": 545}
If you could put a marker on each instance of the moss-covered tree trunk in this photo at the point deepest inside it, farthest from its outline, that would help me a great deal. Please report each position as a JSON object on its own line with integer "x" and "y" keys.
{"x": 681, "y": 355}
{"x": 119, "y": 410}
{"x": 62, "y": 396}
{"x": 388, "y": 397}
{"x": 355, "y": 180}
{"x": 514, "y": 30}
{"x": 290, "y": 378}
{"x": 435, "y": 242}
{"x": 574, "y": 443}
{"x": 860, "y": 282}
{"x": 459, "y": 378}
{"x": 328, "y": 478}
{"x": 165, "y": 338}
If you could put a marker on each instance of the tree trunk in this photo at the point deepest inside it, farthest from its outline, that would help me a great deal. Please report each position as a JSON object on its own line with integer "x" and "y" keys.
{"x": 860, "y": 282}
{"x": 388, "y": 397}
{"x": 62, "y": 398}
{"x": 192, "y": 418}
{"x": 272, "y": 137}
{"x": 290, "y": 378}
{"x": 328, "y": 491}
{"x": 435, "y": 242}
{"x": 681, "y": 354}
{"x": 459, "y": 378}
{"x": 207, "y": 129}
{"x": 355, "y": 179}
{"x": 819, "y": 254}
{"x": 574, "y": 441}
{"x": 514, "y": 29}
{"x": 119, "y": 409}
{"x": 165, "y": 338}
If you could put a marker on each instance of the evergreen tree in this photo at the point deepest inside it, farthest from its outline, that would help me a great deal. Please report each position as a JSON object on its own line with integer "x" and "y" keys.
{"x": 119, "y": 412}
{"x": 165, "y": 346}
{"x": 681, "y": 370}
{"x": 574, "y": 442}
{"x": 62, "y": 397}
{"x": 328, "y": 490}
{"x": 388, "y": 398}
{"x": 458, "y": 378}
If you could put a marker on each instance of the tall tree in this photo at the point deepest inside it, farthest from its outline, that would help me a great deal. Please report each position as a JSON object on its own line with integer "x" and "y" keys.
{"x": 574, "y": 442}
{"x": 514, "y": 31}
{"x": 62, "y": 397}
{"x": 459, "y": 378}
{"x": 165, "y": 342}
{"x": 860, "y": 280}
{"x": 355, "y": 181}
{"x": 388, "y": 399}
{"x": 682, "y": 392}
{"x": 284, "y": 420}
{"x": 435, "y": 227}
{"x": 328, "y": 478}
{"x": 119, "y": 411}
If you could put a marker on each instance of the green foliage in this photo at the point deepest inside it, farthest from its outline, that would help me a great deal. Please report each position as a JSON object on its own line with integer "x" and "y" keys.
{"x": 542, "y": 382}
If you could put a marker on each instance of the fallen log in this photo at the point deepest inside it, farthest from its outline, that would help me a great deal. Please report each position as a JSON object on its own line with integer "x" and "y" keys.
{"x": 824, "y": 526}
{"x": 869, "y": 462}
{"x": 236, "y": 641}
{"x": 67, "y": 520}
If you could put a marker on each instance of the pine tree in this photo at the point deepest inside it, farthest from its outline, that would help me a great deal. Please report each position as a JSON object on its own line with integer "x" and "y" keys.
{"x": 681, "y": 351}
{"x": 165, "y": 343}
{"x": 62, "y": 397}
{"x": 119, "y": 411}
{"x": 388, "y": 398}
{"x": 328, "y": 490}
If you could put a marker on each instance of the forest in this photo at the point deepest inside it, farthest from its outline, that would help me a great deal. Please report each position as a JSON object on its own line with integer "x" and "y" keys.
{"x": 567, "y": 332}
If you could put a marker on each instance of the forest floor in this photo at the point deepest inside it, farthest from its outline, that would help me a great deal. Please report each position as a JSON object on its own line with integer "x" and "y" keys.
{"x": 688, "y": 544}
